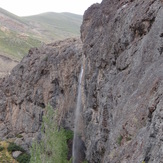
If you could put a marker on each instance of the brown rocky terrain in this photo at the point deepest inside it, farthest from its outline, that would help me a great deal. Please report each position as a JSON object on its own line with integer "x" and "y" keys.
{"x": 122, "y": 86}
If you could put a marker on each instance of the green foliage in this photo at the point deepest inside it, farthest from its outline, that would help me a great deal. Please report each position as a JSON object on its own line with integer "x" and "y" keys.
{"x": 85, "y": 161}
{"x": 69, "y": 134}
{"x": 14, "y": 46}
{"x": 13, "y": 147}
{"x": 1, "y": 148}
{"x": 15, "y": 42}
{"x": 119, "y": 139}
{"x": 53, "y": 146}
{"x": 19, "y": 136}
{"x": 23, "y": 158}
{"x": 70, "y": 161}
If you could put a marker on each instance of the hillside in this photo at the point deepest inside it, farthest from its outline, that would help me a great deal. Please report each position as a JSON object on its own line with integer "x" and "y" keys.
{"x": 53, "y": 26}
{"x": 19, "y": 34}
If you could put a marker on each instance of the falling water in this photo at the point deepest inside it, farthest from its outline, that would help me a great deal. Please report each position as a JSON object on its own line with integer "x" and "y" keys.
{"x": 76, "y": 141}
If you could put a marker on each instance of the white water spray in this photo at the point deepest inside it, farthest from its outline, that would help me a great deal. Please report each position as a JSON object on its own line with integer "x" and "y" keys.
{"x": 76, "y": 148}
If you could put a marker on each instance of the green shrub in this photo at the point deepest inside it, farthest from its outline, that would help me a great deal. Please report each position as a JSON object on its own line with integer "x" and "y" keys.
{"x": 69, "y": 134}
{"x": 23, "y": 158}
{"x": 19, "y": 136}
{"x": 53, "y": 146}
{"x": 13, "y": 147}
{"x": 85, "y": 161}
{"x": 119, "y": 140}
{"x": 1, "y": 148}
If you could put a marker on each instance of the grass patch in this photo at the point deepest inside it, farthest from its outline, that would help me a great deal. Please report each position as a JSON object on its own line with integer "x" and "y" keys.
{"x": 23, "y": 158}
{"x": 5, "y": 156}
{"x": 16, "y": 47}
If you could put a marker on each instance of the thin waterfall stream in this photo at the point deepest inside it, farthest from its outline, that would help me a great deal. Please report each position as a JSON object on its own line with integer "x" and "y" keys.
{"x": 76, "y": 141}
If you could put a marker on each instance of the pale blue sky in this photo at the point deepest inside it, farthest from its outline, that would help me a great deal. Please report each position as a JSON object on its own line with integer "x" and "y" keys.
{"x": 32, "y": 7}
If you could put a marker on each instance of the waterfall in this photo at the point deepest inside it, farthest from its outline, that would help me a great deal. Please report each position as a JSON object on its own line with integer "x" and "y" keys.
{"x": 76, "y": 141}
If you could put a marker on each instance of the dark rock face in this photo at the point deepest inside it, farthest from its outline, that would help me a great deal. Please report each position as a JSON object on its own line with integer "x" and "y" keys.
{"x": 47, "y": 75}
{"x": 122, "y": 44}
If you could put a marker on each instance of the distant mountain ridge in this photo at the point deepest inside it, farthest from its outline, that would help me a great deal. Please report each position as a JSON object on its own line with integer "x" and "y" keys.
{"x": 19, "y": 34}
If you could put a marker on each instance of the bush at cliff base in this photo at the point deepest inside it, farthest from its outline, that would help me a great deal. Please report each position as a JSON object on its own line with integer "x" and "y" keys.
{"x": 53, "y": 146}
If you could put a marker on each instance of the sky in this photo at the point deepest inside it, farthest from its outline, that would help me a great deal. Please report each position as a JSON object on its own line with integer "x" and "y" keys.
{"x": 32, "y": 7}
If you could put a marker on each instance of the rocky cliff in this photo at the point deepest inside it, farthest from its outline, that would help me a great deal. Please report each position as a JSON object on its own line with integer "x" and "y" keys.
{"x": 122, "y": 86}
{"x": 46, "y": 75}
{"x": 123, "y": 113}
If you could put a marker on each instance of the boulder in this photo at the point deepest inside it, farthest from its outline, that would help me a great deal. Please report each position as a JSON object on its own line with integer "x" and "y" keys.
{"x": 16, "y": 154}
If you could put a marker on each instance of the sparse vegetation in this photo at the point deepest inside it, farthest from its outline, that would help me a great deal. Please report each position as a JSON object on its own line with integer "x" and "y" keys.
{"x": 6, "y": 156}
{"x": 119, "y": 140}
{"x": 13, "y": 147}
{"x": 23, "y": 158}
{"x": 16, "y": 40}
{"x": 15, "y": 46}
{"x": 53, "y": 146}
{"x": 19, "y": 136}
{"x": 85, "y": 161}
{"x": 1, "y": 148}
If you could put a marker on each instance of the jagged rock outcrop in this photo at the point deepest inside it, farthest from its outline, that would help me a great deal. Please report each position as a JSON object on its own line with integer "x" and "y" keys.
{"x": 46, "y": 75}
{"x": 122, "y": 87}
{"x": 123, "y": 103}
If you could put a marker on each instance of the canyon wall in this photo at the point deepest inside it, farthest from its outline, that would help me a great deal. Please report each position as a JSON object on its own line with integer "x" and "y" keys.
{"x": 48, "y": 75}
{"x": 123, "y": 113}
{"x": 122, "y": 85}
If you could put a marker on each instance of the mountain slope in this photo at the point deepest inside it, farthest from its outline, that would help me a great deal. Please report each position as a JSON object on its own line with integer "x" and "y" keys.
{"x": 19, "y": 34}
{"x": 56, "y": 25}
